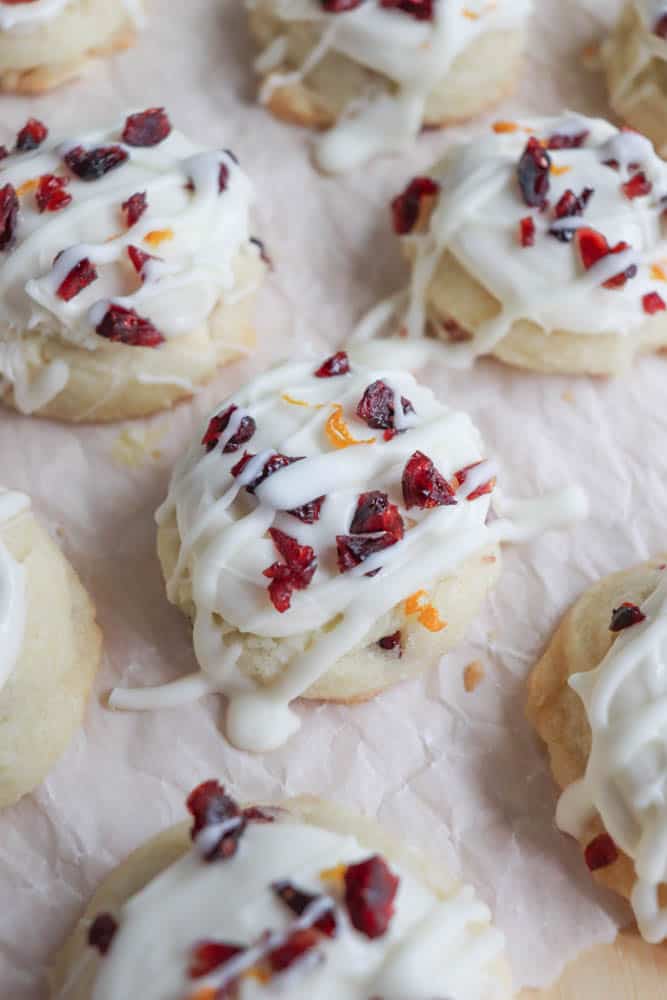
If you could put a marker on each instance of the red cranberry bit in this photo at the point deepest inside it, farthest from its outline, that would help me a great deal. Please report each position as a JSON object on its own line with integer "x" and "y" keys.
{"x": 405, "y": 208}
{"x": 533, "y": 173}
{"x": 263, "y": 252}
{"x": 574, "y": 141}
{"x": 422, "y": 10}
{"x": 376, "y": 406}
{"x": 423, "y": 486}
{"x": 626, "y": 615}
{"x": 298, "y": 901}
{"x": 660, "y": 27}
{"x": 567, "y": 206}
{"x": 51, "y": 195}
{"x": 339, "y": 6}
{"x": 138, "y": 258}
{"x": 9, "y": 210}
{"x": 125, "y": 326}
{"x": 134, "y": 208}
{"x": 376, "y": 525}
{"x": 31, "y": 136}
{"x": 593, "y": 247}
{"x": 102, "y": 932}
{"x": 461, "y": 476}
{"x": 295, "y": 948}
{"x": 218, "y": 426}
{"x": 370, "y": 891}
{"x": 309, "y": 512}
{"x": 82, "y": 275}
{"x": 295, "y": 573}
{"x": 601, "y": 852}
{"x": 337, "y": 364}
{"x": 92, "y": 164}
{"x": 653, "y": 303}
{"x": 4, "y": 152}
{"x": 211, "y": 806}
{"x": 392, "y": 643}
{"x": 147, "y": 128}
{"x": 527, "y": 232}
{"x": 209, "y": 956}
{"x": 253, "y": 814}
{"x": 637, "y": 186}
{"x": 223, "y": 178}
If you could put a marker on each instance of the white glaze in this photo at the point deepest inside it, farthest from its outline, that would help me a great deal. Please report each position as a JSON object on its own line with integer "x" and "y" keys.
{"x": 12, "y": 590}
{"x": 224, "y": 545}
{"x": 626, "y": 775}
{"x": 415, "y": 55}
{"x": 434, "y": 946}
{"x": 476, "y": 218}
{"x": 39, "y": 12}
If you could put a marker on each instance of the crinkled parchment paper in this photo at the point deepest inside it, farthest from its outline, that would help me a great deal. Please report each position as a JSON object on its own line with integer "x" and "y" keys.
{"x": 460, "y": 772}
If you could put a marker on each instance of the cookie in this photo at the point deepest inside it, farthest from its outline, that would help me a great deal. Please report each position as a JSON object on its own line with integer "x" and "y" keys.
{"x": 128, "y": 269}
{"x": 50, "y": 649}
{"x": 264, "y": 898}
{"x": 374, "y": 74}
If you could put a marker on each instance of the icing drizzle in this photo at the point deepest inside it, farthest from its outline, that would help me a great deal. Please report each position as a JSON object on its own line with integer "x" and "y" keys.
{"x": 12, "y": 590}
{"x": 38, "y": 12}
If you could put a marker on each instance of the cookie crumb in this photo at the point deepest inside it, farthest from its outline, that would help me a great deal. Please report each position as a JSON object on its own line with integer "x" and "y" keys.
{"x": 473, "y": 675}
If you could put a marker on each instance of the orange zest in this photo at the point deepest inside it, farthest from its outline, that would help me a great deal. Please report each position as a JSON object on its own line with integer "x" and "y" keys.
{"x": 158, "y": 236}
{"x": 658, "y": 273}
{"x": 557, "y": 171}
{"x": 206, "y": 993}
{"x": 502, "y": 127}
{"x": 293, "y": 402}
{"x": 335, "y": 875}
{"x": 339, "y": 433}
{"x": 28, "y": 186}
{"x": 428, "y": 614}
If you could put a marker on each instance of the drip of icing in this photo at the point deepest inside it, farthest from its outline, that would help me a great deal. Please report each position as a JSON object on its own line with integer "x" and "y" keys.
{"x": 12, "y": 590}
{"x": 626, "y": 775}
{"x": 414, "y": 55}
{"x": 39, "y": 12}
{"x": 434, "y": 945}
{"x": 224, "y": 546}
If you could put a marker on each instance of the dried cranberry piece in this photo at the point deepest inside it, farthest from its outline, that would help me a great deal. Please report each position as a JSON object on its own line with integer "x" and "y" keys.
{"x": 370, "y": 891}
{"x": 147, "y": 128}
{"x": 81, "y": 275}
{"x": 9, "y": 210}
{"x": 138, "y": 258}
{"x": 219, "y": 424}
{"x": 339, "y": 6}
{"x": 533, "y": 173}
{"x": 626, "y": 615}
{"x": 223, "y": 177}
{"x": 263, "y": 252}
{"x": 481, "y": 490}
{"x": 125, "y": 326}
{"x": 423, "y": 486}
{"x": 637, "y": 186}
{"x": 51, "y": 195}
{"x": 4, "y": 152}
{"x": 376, "y": 406}
{"x": 254, "y": 814}
{"x": 660, "y": 26}
{"x": 354, "y": 549}
{"x": 295, "y": 573}
{"x": 102, "y": 932}
{"x": 210, "y": 806}
{"x": 209, "y": 956}
{"x": 573, "y": 141}
{"x": 134, "y": 208}
{"x": 310, "y": 512}
{"x": 337, "y": 364}
{"x": 601, "y": 852}
{"x": 376, "y": 525}
{"x": 31, "y": 136}
{"x": 422, "y": 10}
{"x": 295, "y": 948}
{"x": 405, "y": 208}
{"x": 593, "y": 247}
{"x": 527, "y": 231}
{"x": 392, "y": 642}
{"x": 298, "y": 901}
{"x": 567, "y": 206}
{"x": 92, "y": 164}
{"x": 653, "y": 303}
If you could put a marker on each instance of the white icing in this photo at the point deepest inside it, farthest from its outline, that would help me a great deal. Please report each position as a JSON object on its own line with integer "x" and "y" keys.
{"x": 38, "y": 12}
{"x": 626, "y": 774}
{"x": 435, "y": 946}
{"x": 650, "y": 12}
{"x": 12, "y": 590}
{"x": 206, "y": 230}
{"x": 224, "y": 546}
{"x": 414, "y": 55}
{"x": 476, "y": 218}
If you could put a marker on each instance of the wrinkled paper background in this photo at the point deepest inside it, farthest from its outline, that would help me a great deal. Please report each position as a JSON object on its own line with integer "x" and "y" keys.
{"x": 462, "y": 773}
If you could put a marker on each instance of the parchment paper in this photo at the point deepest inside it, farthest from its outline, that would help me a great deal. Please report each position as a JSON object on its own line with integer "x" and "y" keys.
{"x": 459, "y": 772}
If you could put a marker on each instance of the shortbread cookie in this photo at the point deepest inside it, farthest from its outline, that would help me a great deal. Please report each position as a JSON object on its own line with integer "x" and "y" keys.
{"x": 327, "y": 533}
{"x": 44, "y": 43}
{"x": 128, "y": 269}
{"x": 542, "y": 243}
{"x": 598, "y": 698}
{"x": 375, "y": 72}
{"x": 304, "y": 900}
{"x": 49, "y": 650}
{"x": 634, "y": 58}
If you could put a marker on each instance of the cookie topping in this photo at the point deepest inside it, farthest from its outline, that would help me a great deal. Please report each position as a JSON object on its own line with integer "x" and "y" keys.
{"x": 527, "y": 231}
{"x": 423, "y": 486}
{"x": 406, "y": 208}
{"x": 244, "y": 427}
{"x": 134, "y": 208}
{"x": 370, "y": 891}
{"x": 9, "y": 210}
{"x": 147, "y": 128}
{"x": 218, "y": 821}
{"x": 102, "y": 932}
{"x": 392, "y": 643}
{"x": 653, "y": 303}
{"x": 81, "y": 275}
{"x": 93, "y": 164}
{"x": 51, "y": 195}
{"x": 377, "y": 406}
{"x": 533, "y": 173}
{"x": 125, "y": 326}
{"x": 299, "y": 901}
{"x": 31, "y": 136}
{"x": 626, "y": 615}
{"x": 337, "y": 364}
{"x": 294, "y": 573}
{"x": 601, "y": 852}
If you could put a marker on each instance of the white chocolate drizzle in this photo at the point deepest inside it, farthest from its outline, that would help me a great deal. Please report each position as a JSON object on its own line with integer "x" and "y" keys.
{"x": 38, "y": 12}
{"x": 12, "y": 590}
{"x": 224, "y": 547}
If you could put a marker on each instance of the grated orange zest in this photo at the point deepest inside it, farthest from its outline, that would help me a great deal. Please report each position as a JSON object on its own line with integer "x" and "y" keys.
{"x": 339, "y": 433}
{"x": 158, "y": 236}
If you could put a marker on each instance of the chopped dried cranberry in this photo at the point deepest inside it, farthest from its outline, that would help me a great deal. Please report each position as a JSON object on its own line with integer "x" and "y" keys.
{"x": 533, "y": 173}
{"x": 9, "y": 210}
{"x": 81, "y": 275}
{"x": 102, "y": 932}
{"x": 310, "y": 512}
{"x": 376, "y": 525}
{"x": 422, "y": 10}
{"x": 254, "y": 814}
{"x": 209, "y": 956}
{"x": 405, "y": 208}
{"x": 593, "y": 247}
{"x": 423, "y": 486}
{"x": 527, "y": 231}
{"x": 339, "y": 6}
{"x": 653, "y": 303}
{"x": 125, "y": 326}
{"x": 210, "y": 806}
{"x": 31, "y": 135}
{"x": 370, "y": 891}
{"x": 295, "y": 948}
{"x": 337, "y": 364}
{"x": 601, "y": 852}
{"x": 219, "y": 424}
{"x": 263, "y": 252}
{"x": 298, "y": 901}
{"x": 481, "y": 490}
{"x": 223, "y": 177}
{"x": 573, "y": 141}
{"x": 134, "y": 208}
{"x": 295, "y": 573}
{"x": 567, "y": 206}
{"x": 51, "y": 195}
{"x": 4, "y": 152}
{"x": 138, "y": 258}
{"x": 392, "y": 642}
{"x": 92, "y": 164}
{"x": 626, "y": 615}
{"x": 660, "y": 26}
{"x": 637, "y": 186}
{"x": 612, "y": 164}
{"x": 376, "y": 406}
{"x": 147, "y": 128}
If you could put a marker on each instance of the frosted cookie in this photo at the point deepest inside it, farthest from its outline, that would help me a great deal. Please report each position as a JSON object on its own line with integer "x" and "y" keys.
{"x": 128, "y": 269}
{"x": 543, "y": 243}
{"x": 43, "y": 43}
{"x": 375, "y": 72}
{"x": 328, "y": 535}
{"x": 50, "y": 650}
{"x": 304, "y": 900}
{"x": 634, "y": 58}
{"x": 598, "y": 698}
